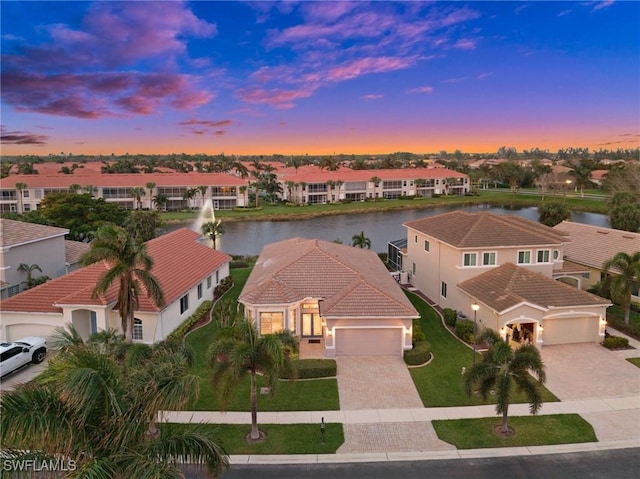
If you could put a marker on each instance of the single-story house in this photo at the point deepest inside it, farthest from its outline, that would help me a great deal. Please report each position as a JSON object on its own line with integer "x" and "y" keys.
{"x": 339, "y": 300}
{"x": 188, "y": 272}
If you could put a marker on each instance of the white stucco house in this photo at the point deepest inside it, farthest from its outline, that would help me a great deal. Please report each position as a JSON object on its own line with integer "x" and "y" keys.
{"x": 188, "y": 272}
{"x": 511, "y": 268}
{"x": 339, "y": 300}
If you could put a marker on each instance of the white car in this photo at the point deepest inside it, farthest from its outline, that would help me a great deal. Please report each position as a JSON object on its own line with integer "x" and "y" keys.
{"x": 24, "y": 351}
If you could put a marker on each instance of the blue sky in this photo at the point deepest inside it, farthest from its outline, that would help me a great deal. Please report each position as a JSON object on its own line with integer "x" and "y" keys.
{"x": 318, "y": 77}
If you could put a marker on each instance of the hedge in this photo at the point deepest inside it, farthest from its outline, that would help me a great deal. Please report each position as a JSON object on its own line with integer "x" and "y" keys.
{"x": 615, "y": 342}
{"x": 188, "y": 323}
{"x": 450, "y": 317}
{"x": 224, "y": 286}
{"x": 418, "y": 334}
{"x": 420, "y": 353}
{"x": 316, "y": 368}
{"x": 465, "y": 330}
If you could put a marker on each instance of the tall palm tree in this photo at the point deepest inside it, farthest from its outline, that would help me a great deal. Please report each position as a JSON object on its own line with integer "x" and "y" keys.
{"x": 96, "y": 404}
{"x": 239, "y": 351}
{"x": 376, "y": 182}
{"x": 74, "y": 187}
{"x": 150, "y": 186}
{"x": 501, "y": 368}
{"x": 29, "y": 269}
{"x": 160, "y": 200}
{"x": 20, "y": 187}
{"x": 213, "y": 229}
{"x": 622, "y": 274}
{"x": 137, "y": 193}
{"x": 130, "y": 265}
{"x": 361, "y": 241}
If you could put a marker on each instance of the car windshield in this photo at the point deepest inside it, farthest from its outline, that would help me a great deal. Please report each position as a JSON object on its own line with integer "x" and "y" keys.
{"x": 22, "y": 343}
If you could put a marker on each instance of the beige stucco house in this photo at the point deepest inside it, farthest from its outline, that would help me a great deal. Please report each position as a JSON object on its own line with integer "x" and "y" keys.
{"x": 509, "y": 266}
{"x": 339, "y": 300}
{"x": 188, "y": 272}
{"x": 592, "y": 246}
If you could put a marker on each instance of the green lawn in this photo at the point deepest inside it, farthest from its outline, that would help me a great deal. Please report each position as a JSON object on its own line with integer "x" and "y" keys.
{"x": 283, "y": 212}
{"x": 530, "y": 431}
{"x": 440, "y": 383}
{"x": 281, "y": 438}
{"x": 634, "y": 361}
{"x": 317, "y": 395}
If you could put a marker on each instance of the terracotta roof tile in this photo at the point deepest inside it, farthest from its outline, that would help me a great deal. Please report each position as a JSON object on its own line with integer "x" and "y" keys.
{"x": 312, "y": 174}
{"x": 13, "y": 233}
{"x": 351, "y": 282}
{"x": 180, "y": 262}
{"x": 481, "y": 230}
{"x": 509, "y": 285}
{"x": 593, "y": 245}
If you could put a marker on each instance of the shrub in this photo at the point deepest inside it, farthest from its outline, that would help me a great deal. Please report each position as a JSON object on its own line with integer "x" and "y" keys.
{"x": 615, "y": 342}
{"x": 418, "y": 334}
{"x": 384, "y": 257}
{"x": 420, "y": 353}
{"x": 223, "y": 287}
{"x": 188, "y": 323}
{"x": 316, "y": 368}
{"x": 464, "y": 329}
{"x": 436, "y": 195}
{"x": 450, "y": 317}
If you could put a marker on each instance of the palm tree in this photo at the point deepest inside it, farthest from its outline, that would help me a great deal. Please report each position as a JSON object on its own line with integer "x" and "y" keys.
{"x": 239, "y": 351}
{"x": 150, "y": 186}
{"x": 243, "y": 191}
{"x": 160, "y": 200}
{"x": 213, "y": 229}
{"x": 361, "y": 241}
{"x": 90, "y": 189}
{"x": 130, "y": 265}
{"x": 96, "y": 404}
{"x": 622, "y": 274}
{"x": 74, "y": 187}
{"x": 29, "y": 269}
{"x": 376, "y": 182}
{"x": 20, "y": 187}
{"x": 500, "y": 368}
{"x": 202, "y": 189}
{"x": 137, "y": 193}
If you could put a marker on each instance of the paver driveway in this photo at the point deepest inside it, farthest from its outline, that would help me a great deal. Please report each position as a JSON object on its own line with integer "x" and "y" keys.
{"x": 587, "y": 370}
{"x": 375, "y": 382}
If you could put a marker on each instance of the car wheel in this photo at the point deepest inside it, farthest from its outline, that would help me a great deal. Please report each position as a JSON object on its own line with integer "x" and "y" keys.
{"x": 39, "y": 355}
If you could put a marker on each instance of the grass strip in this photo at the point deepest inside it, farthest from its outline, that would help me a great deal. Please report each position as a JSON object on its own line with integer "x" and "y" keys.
{"x": 634, "y": 361}
{"x": 529, "y": 431}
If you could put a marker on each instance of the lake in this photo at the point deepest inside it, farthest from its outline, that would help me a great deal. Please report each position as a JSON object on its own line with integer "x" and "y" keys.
{"x": 249, "y": 237}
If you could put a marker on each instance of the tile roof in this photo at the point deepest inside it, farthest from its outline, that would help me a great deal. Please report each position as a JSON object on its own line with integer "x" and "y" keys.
{"x": 313, "y": 174}
{"x": 13, "y": 233}
{"x": 352, "y": 282}
{"x": 482, "y": 230}
{"x": 593, "y": 245}
{"x": 509, "y": 285}
{"x": 180, "y": 262}
{"x": 73, "y": 250}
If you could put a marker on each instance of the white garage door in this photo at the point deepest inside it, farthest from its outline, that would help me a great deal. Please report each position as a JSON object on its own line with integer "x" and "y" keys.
{"x": 19, "y": 331}
{"x": 368, "y": 342}
{"x": 570, "y": 330}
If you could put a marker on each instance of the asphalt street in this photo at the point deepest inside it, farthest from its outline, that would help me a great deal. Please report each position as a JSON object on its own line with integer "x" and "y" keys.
{"x": 608, "y": 464}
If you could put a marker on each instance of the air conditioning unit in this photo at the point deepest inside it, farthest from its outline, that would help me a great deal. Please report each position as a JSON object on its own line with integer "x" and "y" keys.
{"x": 404, "y": 277}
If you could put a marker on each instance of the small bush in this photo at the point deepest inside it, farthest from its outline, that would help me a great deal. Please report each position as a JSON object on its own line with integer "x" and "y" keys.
{"x": 436, "y": 195}
{"x": 316, "y": 368}
{"x": 615, "y": 342}
{"x": 223, "y": 287}
{"x": 418, "y": 334}
{"x": 450, "y": 317}
{"x": 464, "y": 329}
{"x": 420, "y": 353}
{"x": 384, "y": 257}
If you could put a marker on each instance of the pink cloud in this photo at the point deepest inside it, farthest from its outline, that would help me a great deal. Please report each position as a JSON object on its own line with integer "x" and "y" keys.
{"x": 422, "y": 89}
{"x": 21, "y": 137}
{"x": 465, "y": 44}
{"x": 372, "y": 96}
{"x": 210, "y": 123}
{"x": 353, "y": 69}
{"x": 278, "y": 98}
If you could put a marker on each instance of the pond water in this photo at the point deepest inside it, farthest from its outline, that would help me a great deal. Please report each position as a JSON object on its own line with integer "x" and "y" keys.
{"x": 249, "y": 237}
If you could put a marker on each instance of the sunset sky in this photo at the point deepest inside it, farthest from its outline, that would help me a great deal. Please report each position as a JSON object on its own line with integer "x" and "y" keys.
{"x": 318, "y": 77}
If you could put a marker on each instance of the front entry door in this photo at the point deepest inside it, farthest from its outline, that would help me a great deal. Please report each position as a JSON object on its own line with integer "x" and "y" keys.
{"x": 311, "y": 325}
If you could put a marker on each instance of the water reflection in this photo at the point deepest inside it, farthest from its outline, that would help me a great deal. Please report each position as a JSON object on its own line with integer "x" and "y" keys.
{"x": 250, "y": 237}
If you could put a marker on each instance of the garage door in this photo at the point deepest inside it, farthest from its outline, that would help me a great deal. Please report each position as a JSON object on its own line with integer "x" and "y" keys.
{"x": 368, "y": 342}
{"x": 19, "y": 331}
{"x": 570, "y": 330}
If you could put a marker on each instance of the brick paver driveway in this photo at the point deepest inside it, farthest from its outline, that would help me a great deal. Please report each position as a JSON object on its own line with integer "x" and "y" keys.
{"x": 588, "y": 370}
{"x": 375, "y": 382}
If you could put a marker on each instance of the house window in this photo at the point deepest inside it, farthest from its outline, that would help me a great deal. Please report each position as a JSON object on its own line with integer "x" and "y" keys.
{"x": 27, "y": 207}
{"x": 443, "y": 290}
{"x": 556, "y": 255}
{"x": 524, "y": 257}
{"x": 470, "y": 259}
{"x": 271, "y": 322}
{"x": 415, "y": 239}
{"x": 25, "y": 193}
{"x": 217, "y": 277}
{"x": 413, "y": 268}
{"x": 208, "y": 282}
{"x": 426, "y": 245}
{"x": 586, "y": 275}
{"x": 543, "y": 255}
{"x": 311, "y": 324}
{"x": 184, "y": 303}
{"x": 488, "y": 259}
{"x": 200, "y": 291}
{"x": 136, "y": 334}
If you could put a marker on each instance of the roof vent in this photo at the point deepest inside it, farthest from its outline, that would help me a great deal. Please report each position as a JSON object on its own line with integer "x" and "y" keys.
{"x": 628, "y": 237}
{"x": 603, "y": 232}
